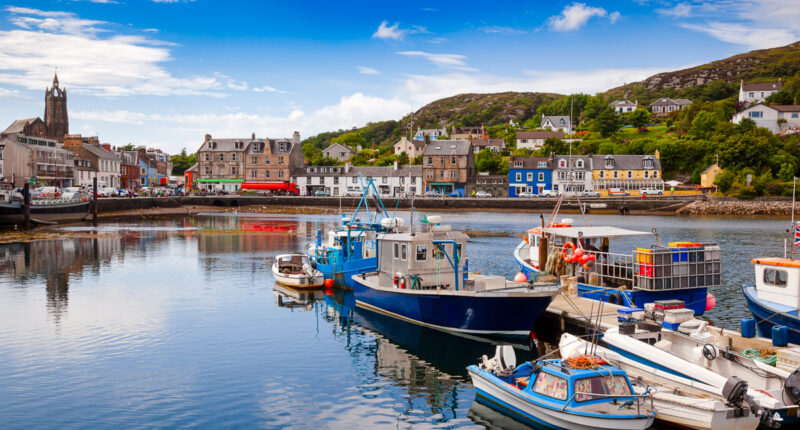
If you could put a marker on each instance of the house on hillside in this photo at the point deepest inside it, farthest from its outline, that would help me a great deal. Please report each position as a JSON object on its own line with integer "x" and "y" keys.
{"x": 774, "y": 118}
{"x": 556, "y": 123}
{"x": 628, "y": 172}
{"x": 757, "y": 92}
{"x": 529, "y": 175}
{"x": 412, "y": 148}
{"x": 665, "y": 105}
{"x": 468, "y": 133}
{"x": 623, "y": 106}
{"x": 534, "y": 140}
{"x": 339, "y": 152}
{"x": 432, "y": 133}
{"x": 709, "y": 175}
{"x": 495, "y": 145}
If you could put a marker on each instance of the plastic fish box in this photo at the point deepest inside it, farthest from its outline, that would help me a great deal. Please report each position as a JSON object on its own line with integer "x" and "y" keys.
{"x": 680, "y": 269}
{"x": 671, "y": 326}
{"x": 625, "y": 314}
{"x": 678, "y": 316}
{"x": 669, "y": 304}
{"x": 788, "y": 359}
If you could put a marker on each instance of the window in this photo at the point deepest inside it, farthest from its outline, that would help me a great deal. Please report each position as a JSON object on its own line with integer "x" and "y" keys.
{"x": 579, "y": 164}
{"x": 335, "y": 180}
{"x": 422, "y": 252}
{"x": 610, "y": 163}
{"x": 430, "y": 161}
{"x": 384, "y": 180}
{"x": 751, "y": 95}
{"x": 253, "y": 160}
{"x": 453, "y": 174}
{"x": 542, "y": 164}
{"x": 280, "y": 174}
{"x": 775, "y": 277}
{"x": 630, "y": 174}
{"x": 519, "y": 176}
{"x": 795, "y": 115}
{"x": 518, "y": 163}
{"x": 233, "y": 171}
{"x": 648, "y": 163}
{"x": 602, "y": 174}
{"x": 233, "y": 157}
{"x": 615, "y": 385}
{"x": 355, "y": 180}
{"x": 646, "y": 173}
{"x": 280, "y": 160}
{"x": 453, "y": 160}
{"x": 221, "y": 157}
{"x": 616, "y": 174}
{"x": 430, "y": 174}
{"x": 562, "y": 163}
{"x": 396, "y": 249}
{"x": 413, "y": 180}
{"x": 441, "y": 161}
{"x": 550, "y": 385}
{"x": 441, "y": 173}
{"x": 438, "y": 252}
{"x": 253, "y": 174}
{"x": 530, "y": 176}
{"x": 266, "y": 174}
{"x": 266, "y": 161}
{"x": 755, "y": 114}
{"x": 403, "y": 252}
{"x": 541, "y": 176}
{"x": 208, "y": 171}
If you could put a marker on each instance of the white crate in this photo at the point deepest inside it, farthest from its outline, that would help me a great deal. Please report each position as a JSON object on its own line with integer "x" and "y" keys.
{"x": 788, "y": 359}
{"x": 677, "y": 316}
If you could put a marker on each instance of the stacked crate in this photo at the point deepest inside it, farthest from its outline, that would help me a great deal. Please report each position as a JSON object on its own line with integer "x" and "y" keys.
{"x": 680, "y": 265}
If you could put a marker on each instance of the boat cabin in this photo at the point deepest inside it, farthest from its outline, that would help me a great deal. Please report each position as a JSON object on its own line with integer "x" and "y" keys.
{"x": 425, "y": 260}
{"x": 292, "y": 263}
{"x": 777, "y": 280}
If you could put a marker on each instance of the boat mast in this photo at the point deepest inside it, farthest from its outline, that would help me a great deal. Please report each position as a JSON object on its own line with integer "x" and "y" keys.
{"x": 794, "y": 188}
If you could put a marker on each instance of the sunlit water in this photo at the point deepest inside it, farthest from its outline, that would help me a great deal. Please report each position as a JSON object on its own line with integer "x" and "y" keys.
{"x": 176, "y": 323}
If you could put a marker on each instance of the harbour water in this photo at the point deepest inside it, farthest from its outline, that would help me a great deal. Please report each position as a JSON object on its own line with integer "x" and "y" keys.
{"x": 177, "y": 322}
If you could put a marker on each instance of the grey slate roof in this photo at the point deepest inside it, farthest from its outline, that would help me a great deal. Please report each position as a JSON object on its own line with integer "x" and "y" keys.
{"x": 622, "y": 103}
{"x": 587, "y": 162}
{"x": 224, "y": 145}
{"x": 448, "y": 147}
{"x": 625, "y": 162}
{"x": 340, "y": 147}
{"x": 192, "y": 169}
{"x": 530, "y": 162}
{"x": 100, "y": 152}
{"x": 556, "y": 120}
{"x": 666, "y": 101}
{"x": 763, "y": 86}
{"x": 485, "y": 143}
{"x": 18, "y": 125}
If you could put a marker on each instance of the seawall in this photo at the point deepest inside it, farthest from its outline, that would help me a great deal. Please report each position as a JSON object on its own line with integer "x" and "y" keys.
{"x": 725, "y": 206}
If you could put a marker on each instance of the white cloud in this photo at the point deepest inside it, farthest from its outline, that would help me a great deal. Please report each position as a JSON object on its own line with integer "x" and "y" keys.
{"x": 438, "y": 40}
{"x": 493, "y": 29}
{"x": 449, "y": 61}
{"x": 234, "y": 85}
{"x": 740, "y": 34}
{"x": 6, "y": 93}
{"x": 680, "y": 10}
{"x": 268, "y": 89}
{"x": 389, "y": 32}
{"x": 367, "y": 70}
{"x": 574, "y": 17}
{"x": 614, "y": 17}
{"x": 90, "y": 58}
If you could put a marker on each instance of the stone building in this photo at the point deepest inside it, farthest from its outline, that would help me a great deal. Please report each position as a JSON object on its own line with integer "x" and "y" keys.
{"x": 27, "y": 127}
{"x": 338, "y": 152}
{"x": 272, "y": 160}
{"x": 448, "y": 166}
{"x": 55, "y": 111}
{"x": 102, "y": 163}
{"x": 220, "y": 163}
{"x": 37, "y": 160}
{"x": 468, "y": 133}
{"x": 496, "y": 185}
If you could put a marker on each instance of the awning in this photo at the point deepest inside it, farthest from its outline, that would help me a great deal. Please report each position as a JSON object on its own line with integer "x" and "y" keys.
{"x": 442, "y": 183}
{"x": 220, "y": 180}
{"x": 593, "y": 232}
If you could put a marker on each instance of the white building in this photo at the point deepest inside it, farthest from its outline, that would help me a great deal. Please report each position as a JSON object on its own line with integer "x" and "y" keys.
{"x": 774, "y": 118}
{"x": 572, "y": 173}
{"x": 758, "y": 92}
{"x": 556, "y": 123}
{"x": 433, "y": 133}
{"x": 107, "y": 165}
{"x": 665, "y": 105}
{"x": 623, "y": 106}
{"x": 535, "y": 139}
{"x": 391, "y": 181}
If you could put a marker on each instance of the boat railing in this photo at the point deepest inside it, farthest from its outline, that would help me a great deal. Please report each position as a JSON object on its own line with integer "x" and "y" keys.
{"x": 609, "y": 268}
{"x": 634, "y": 397}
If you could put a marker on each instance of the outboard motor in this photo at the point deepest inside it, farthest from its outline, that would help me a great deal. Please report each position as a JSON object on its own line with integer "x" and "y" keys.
{"x": 735, "y": 393}
{"x": 792, "y": 387}
{"x": 503, "y": 362}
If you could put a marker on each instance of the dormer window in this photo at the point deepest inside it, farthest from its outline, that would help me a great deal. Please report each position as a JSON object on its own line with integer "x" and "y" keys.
{"x": 562, "y": 163}
{"x": 579, "y": 164}
{"x": 609, "y": 162}
{"x": 542, "y": 164}
{"x": 518, "y": 164}
{"x": 648, "y": 163}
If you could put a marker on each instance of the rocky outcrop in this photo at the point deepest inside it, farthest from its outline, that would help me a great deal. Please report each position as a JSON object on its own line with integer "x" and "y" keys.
{"x": 737, "y": 207}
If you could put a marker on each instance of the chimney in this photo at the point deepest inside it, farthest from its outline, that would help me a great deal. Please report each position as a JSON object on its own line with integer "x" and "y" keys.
{"x": 658, "y": 154}
{"x": 253, "y": 136}
{"x": 208, "y": 137}
{"x": 396, "y": 165}
{"x": 106, "y": 146}
{"x": 296, "y": 137}
{"x": 347, "y": 166}
{"x": 427, "y": 139}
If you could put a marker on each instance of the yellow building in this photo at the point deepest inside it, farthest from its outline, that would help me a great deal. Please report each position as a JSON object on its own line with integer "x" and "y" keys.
{"x": 628, "y": 172}
{"x": 709, "y": 175}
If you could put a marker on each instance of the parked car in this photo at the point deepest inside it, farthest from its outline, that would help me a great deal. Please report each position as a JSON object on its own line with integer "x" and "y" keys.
{"x": 321, "y": 193}
{"x": 455, "y": 194}
{"x": 548, "y": 193}
{"x": 613, "y": 192}
{"x": 353, "y": 193}
{"x": 588, "y": 193}
{"x": 651, "y": 192}
{"x": 70, "y": 192}
{"x": 106, "y": 192}
{"x": 483, "y": 194}
{"x": 526, "y": 195}
{"x": 432, "y": 193}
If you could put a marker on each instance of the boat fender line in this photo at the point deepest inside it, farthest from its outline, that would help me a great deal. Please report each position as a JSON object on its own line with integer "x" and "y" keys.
{"x": 569, "y": 258}
{"x": 615, "y": 299}
{"x": 709, "y": 352}
{"x": 562, "y": 319}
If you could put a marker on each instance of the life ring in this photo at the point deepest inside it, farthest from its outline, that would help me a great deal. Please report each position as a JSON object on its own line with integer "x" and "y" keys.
{"x": 571, "y": 257}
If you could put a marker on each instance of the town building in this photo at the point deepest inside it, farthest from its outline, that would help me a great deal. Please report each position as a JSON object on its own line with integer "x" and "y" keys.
{"x": 665, "y": 106}
{"x": 220, "y": 163}
{"x": 628, "y": 172}
{"x": 390, "y": 181}
{"x": 495, "y": 185}
{"x": 163, "y": 165}
{"x": 623, "y": 106}
{"x": 272, "y": 160}
{"x": 55, "y": 111}
{"x": 709, "y": 175}
{"x": 529, "y": 175}
{"x": 495, "y": 145}
{"x": 37, "y": 160}
{"x": 412, "y": 148}
{"x": 468, "y": 133}
{"x": 190, "y": 178}
{"x": 102, "y": 163}
{"x": 148, "y": 170}
{"x": 27, "y": 127}
{"x": 758, "y": 92}
{"x": 128, "y": 169}
{"x": 338, "y": 152}
{"x": 556, "y": 123}
{"x": 534, "y": 140}
{"x": 774, "y": 118}
{"x": 448, "y": 166}
{"x": 571, "y": 173}
{"x": 432, "y": 133}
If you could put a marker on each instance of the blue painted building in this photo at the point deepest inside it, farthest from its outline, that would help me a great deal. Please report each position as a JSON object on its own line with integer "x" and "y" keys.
{"x": 529, "y": 174}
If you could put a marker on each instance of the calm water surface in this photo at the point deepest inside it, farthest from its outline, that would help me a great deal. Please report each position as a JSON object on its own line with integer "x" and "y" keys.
{"x": 178, "y": 323}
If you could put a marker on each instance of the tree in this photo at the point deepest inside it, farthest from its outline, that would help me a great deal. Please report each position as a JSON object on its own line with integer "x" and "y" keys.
{"x": 130, "y": 147}
{"x": 724, "y": 180}
{"x": 640, "y": 118}
{"x": 607, "y": 122}
{"x": 703, "y": 125}
{"x": 182, "y": 161}
{"x": 782, "y": 97}
{"x": 487, "y": 161}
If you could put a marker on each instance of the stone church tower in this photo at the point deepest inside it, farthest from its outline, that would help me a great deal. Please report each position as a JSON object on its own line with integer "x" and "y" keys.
{"x": 55, "y": 111}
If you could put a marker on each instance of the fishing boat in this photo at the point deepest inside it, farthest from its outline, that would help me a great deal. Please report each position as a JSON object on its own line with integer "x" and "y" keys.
{"x": 680, "y": 401}
{"x": 350, "y": 249}
{"x": 775, "y": 296}
{"x": 581, "y": 393}
{"x": 295, "y": 270}
{"x": 42, "y": 211}
{"x": 629, "y": 277}
{"x": 422, "y": 277}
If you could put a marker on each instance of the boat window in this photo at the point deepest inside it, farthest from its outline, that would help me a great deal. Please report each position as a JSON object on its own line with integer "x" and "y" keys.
{"x": 422, "y": 252}
{"x": 396, "y": 254}
{"x": 403, "y": 250}
{"x": 438, "y": 252}
{"x": 615, "y": 385}
{"x": 775, "y": 277}
{"x": 460, "y": 255}
{"x": 550, "y": 385}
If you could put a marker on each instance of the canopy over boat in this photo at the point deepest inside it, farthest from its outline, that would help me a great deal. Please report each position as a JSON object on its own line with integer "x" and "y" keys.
{"x": 594, "y": 232}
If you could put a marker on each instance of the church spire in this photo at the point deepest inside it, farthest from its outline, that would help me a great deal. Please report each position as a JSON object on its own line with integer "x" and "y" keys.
{"x": 55, "y": 78}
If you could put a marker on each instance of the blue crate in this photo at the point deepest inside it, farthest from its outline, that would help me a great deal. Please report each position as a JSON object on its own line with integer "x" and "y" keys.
{"x": 671, "y": 326}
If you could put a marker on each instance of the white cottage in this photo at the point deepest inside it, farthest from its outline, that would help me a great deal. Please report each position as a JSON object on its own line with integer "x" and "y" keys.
{"x": 774, "y": 118}
{"x": 557, "y": 123}
{"x": 758, "y": 92}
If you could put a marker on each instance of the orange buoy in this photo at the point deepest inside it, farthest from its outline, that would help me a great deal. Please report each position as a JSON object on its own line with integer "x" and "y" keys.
{"x": 520, "y": 277}
{"x": 328, "y": 283}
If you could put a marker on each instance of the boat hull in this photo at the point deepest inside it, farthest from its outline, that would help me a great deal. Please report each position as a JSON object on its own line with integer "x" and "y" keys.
{"x": 694, "y": 298}
{"x": 342, "y": 272}
{"x": 505, "y": 316}
{"x": 766, "y": 318}
{"x": 12, "y": 213}
{"x": 298, "y": 280}
{"x": 492, "y": 392}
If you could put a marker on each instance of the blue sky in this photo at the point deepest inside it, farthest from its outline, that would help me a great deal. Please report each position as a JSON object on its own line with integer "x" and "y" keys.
{"x": 164, "y": 73}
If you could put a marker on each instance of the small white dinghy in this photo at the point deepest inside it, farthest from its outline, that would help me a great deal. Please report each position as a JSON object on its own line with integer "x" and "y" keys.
{"x": 295, "y": 270}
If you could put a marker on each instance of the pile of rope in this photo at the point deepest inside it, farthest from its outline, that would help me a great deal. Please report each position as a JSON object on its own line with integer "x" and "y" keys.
{"x": 585, "y": 362}
{"x": 764, "y": 355}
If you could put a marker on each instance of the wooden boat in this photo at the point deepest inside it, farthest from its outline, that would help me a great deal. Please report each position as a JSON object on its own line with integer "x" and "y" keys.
{"x": 42, "y": 211}
{"x": 295, "y": 270}
{"x": 684, "y": 403}
{"x": 561, "y": 393}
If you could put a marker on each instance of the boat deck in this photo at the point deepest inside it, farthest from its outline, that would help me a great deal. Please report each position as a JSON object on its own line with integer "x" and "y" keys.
{"x": 577, "y": 310}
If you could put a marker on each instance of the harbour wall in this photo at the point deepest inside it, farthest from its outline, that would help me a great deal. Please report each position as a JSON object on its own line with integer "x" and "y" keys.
{"x": 613, "y": 205}
{"x": 727, "y": 206}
